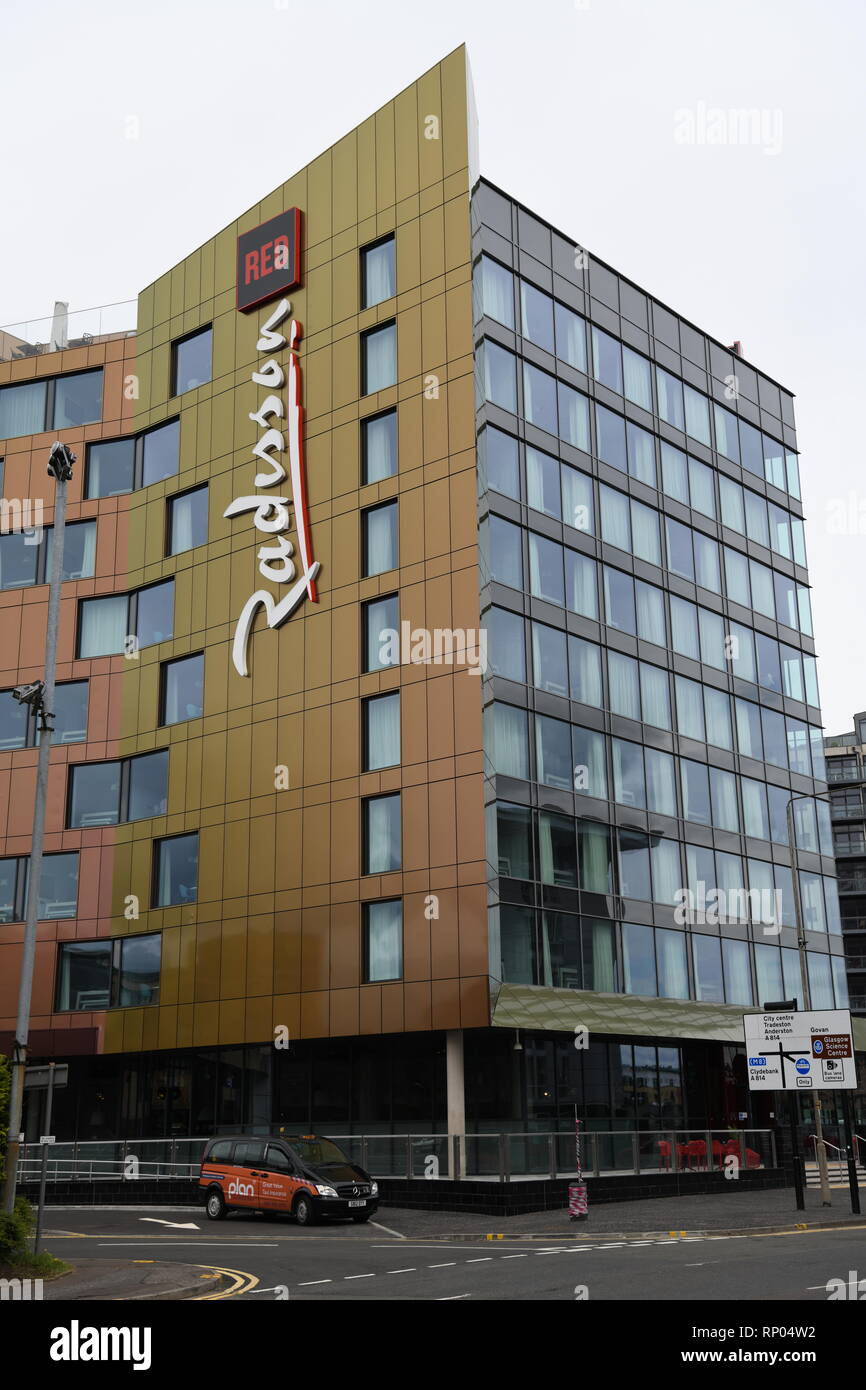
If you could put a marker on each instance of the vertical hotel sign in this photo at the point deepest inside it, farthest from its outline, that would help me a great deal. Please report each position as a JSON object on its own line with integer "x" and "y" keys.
{"x": 268, "y": 264}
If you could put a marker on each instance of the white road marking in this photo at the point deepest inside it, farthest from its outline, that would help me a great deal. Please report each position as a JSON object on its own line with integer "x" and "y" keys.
{"x": 514, "y": 1257}
{"x": 380, "y": 1227}
{"x": 481, "y": 1259}
{"x": 411, "y": 1270}
{"x": 308, "y": 1282}
{"x": 449, "y": 1297}
{"x": 180, "y": 1225}
{"x": 446, "y": 1265}
{"x": 207, "y": 1244}
{"x": 359, "y": 1276}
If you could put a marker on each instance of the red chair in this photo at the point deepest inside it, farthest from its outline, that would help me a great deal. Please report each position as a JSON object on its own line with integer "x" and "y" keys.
{"x": 664, "y": 1153}
{"x": 753, "y": 1160}
{"x": 697, "y": 1153}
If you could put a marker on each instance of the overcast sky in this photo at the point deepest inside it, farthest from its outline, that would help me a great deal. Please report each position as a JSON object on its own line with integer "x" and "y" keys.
{"x": 580, "y": 106}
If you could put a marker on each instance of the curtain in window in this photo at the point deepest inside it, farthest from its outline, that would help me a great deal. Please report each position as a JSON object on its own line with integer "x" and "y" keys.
{"x": 738, "y": 973}
{"x": 103, "y": 625}
{"x": 623, "y": 680}
{"x": 381, "y": 539}
{"x": 545, "y": 842}
{"x": 589, "y": 753}
{"x": 542, "y": 482}
{"x": 690, "y": 709}
{"x": 517, "y": 945}
{"x": 650, "y": 613}
{"x": 380, "y": 447}
{"x": 573, "y": 417}
{"x": 498, "y": 292}
{"x": 383, "y": 732}
{"x": 594, "y": 847}
{"x": 570, "y": 338}
{"x": 603, "y": 966}
{"x": 585, "y": 671}
{"x": 645, "y": 533}
{"x": 581, "y": 595}
{"x": 768, "y": 966}
{"x": 577, "y": 508}
{"x": 380, "y": 358}
{"x": 22, "y": 410}
{"x": 636, "y": 371}
{"x": 383, "y": 834}
{"x": 672, "y": 964}
{"x": 641, "y": 454}
{"x": 615, "y": 518}
{"x": 724, "y": 790}
{"x": 661, "y": 789}
{"x": 182, "y": 517}
{"x": 666, "y": 872}
{"x": 385, "y": 940}
{"x": 655, "y": 696}
{"x": 707, "y": 563}
{"x": 510, "y": 741}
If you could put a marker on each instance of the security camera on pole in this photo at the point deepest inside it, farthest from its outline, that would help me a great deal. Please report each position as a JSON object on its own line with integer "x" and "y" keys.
{"x": 39, "y": 696}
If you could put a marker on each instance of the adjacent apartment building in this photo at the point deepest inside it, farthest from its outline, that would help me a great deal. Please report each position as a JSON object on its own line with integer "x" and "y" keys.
{"x": 436, "y": 669}
{"x": 846, "y": 775}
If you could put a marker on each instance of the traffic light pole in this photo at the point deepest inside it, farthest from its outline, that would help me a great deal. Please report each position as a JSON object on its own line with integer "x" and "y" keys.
{"x": 60, "y": 468}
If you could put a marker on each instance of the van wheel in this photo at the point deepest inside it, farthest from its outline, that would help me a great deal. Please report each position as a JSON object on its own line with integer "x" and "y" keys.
{"x": 304, "y": 1210}
{"x": 360, "y": 1216}
{"x": 215, "y": 1205}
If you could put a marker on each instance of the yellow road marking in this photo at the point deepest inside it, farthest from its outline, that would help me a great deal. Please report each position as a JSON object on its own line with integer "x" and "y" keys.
{"x": 244, "y": 1282}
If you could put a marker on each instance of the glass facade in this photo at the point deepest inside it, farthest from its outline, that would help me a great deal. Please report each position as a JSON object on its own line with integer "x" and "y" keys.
{"x": 652, "y": 702}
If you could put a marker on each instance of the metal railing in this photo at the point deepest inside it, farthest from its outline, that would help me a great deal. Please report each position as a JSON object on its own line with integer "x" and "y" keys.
{"x": 494, "y": 1157}
{"x": 33, "y": 337}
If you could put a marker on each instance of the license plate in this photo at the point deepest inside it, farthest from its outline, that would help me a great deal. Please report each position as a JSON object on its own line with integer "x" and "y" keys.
{"x": 362, "y": 1203}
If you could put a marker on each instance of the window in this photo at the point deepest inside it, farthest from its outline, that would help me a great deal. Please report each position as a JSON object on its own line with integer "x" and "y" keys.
{"x": 610, "y": 432}
{"x": 107, "y": 793}
{"x": 379, "y": 539}
{"x": 506, "y": 645}
{"x": 500, "y": 376}
{"x": 61, "y": 402}
{"x": 182, "y": 693}
{"x": 381, "y": 831}
{"x": 116, "y": 466}
{"x": 381, "y": 718}
{"x": 187, "y": 520}
{"x": 379, "y": 447}
{"x": 58, "y": 888}
{"x": 108, "y": 974}
{"x": 570, "y": 337}
{"x": 24, "y": 561}
{"x": 500, "y": 461}
{"x": 539, "y": 398}
{"x": 497, "y": 292}
{"x": 381, "y": 630}
{"x": 175, "y": 871}
{"x": 18, "y": 726}
{"x": 378, "y": 358}
{"x": 506, "y": 552}
{"x": 509, "y": 741}
{"x": 378, "y": 272}
{"x": 106, "y": 624}
{"x": 191, "y": 361}
{"x": 606, "y": 360}
{"x": 383, "y": 940}
{"x": 110, "y": 468}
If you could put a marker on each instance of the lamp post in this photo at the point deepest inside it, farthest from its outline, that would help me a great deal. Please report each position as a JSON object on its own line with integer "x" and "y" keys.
{"x": 804, "y": 977}
{"x": 39, "y": 696}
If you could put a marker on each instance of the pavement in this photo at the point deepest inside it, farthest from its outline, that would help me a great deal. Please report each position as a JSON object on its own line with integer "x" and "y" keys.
{"x": 98, "y": 1280}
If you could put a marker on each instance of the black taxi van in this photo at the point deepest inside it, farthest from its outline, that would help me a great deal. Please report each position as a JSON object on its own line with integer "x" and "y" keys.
{"x": 303, "y": 1174}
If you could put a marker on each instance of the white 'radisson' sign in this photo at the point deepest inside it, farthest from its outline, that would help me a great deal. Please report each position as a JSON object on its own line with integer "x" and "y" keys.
{"x": 271, "y": 515}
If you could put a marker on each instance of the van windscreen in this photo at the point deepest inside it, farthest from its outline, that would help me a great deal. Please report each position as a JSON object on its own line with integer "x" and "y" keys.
{"x": 318, "y": 1152}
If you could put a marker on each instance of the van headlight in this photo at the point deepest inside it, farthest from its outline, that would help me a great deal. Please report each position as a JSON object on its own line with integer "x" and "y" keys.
{"x": 374, "y": 1189}
{"x": 325, "y": 1191}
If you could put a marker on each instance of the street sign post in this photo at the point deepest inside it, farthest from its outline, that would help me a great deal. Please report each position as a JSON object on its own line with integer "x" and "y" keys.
{"x": 798, "y": 1051}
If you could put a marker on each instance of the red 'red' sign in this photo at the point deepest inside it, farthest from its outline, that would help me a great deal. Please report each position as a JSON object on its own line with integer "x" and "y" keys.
{"x": 269, "y": 259}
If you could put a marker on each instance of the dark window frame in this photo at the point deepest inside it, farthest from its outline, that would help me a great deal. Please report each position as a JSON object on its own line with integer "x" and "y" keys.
{"x": 158, "y": 842}
{"x": 364, "y": 610}
{"x": 364, "y": 422}
{"x": 30, "y": 740}
{"x": 131, "y": 596}
{"x": 366, "y": 702}
{"x": 366, "y": 802}
{"x": 19, "y": 897}
{"x": 137, "y": 462}
{"x": 163, "y": 673}
{"x": 178, "y": 343}
{"x": 48, "y": 422}
{"x": 115, "y": 946}
{"x": 368, "y": 333}
{"x": 365, "y": 943}
{"x": 169, "y": 514}
{"x": 362, "y": 252}
{"x": 125, "y": 765}
{"x": 365, "y": 558}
